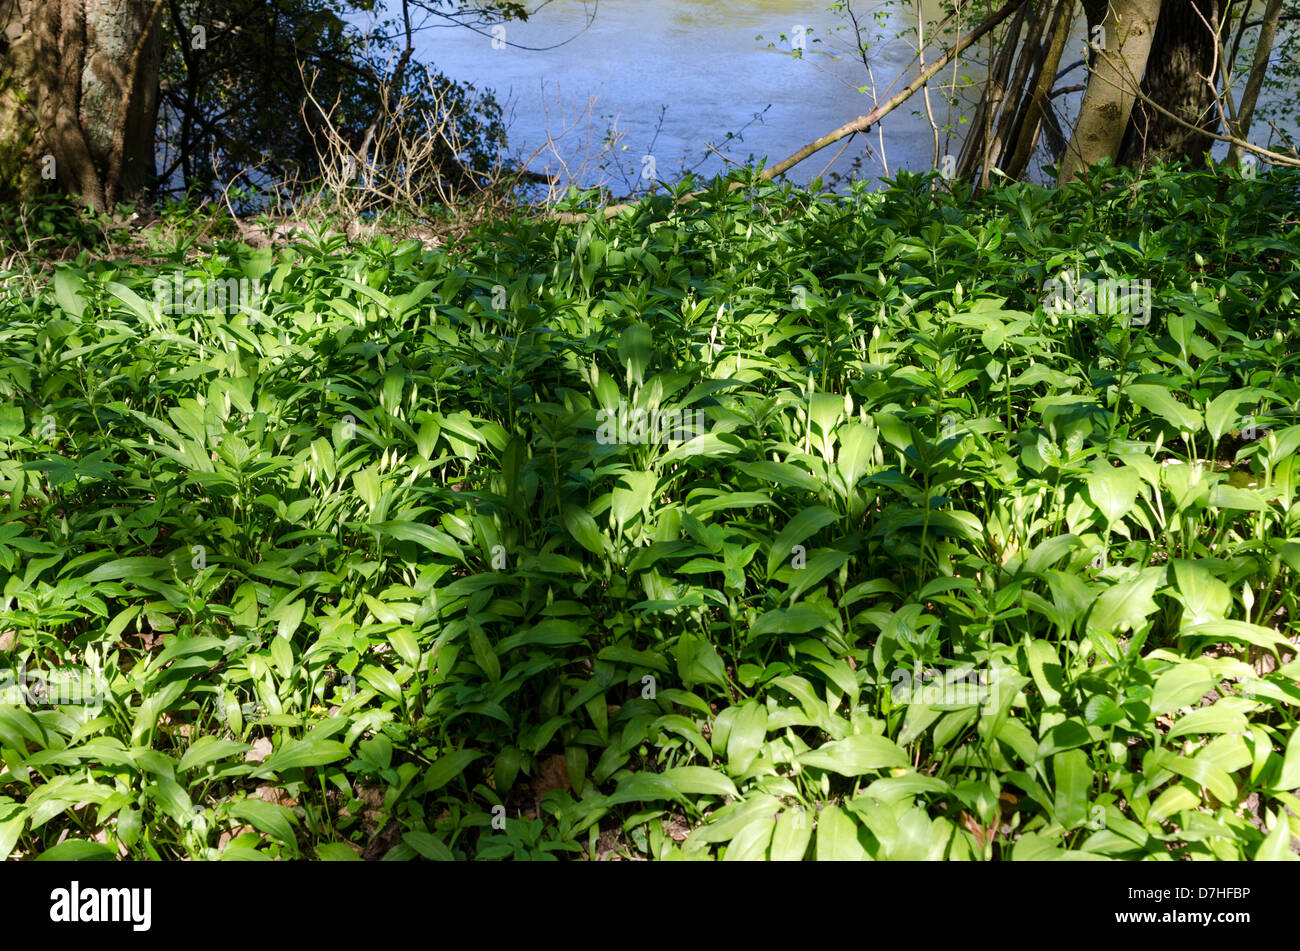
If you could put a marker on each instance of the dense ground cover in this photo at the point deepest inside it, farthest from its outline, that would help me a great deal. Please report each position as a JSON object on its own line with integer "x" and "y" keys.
{"x": 943, "y": 573}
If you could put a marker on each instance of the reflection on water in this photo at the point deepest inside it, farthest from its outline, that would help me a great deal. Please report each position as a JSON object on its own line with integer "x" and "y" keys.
{"x": 677, "y": 75}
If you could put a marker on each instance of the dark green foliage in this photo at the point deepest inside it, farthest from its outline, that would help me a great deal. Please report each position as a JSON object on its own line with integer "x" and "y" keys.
{"x": 373, "y": 522}
{"x": 235, "y": 111}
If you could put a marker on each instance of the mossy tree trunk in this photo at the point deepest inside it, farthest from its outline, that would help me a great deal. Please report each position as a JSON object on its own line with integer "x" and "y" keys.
{"x": 79, "y": 97}
{"x": 20, "y": 173}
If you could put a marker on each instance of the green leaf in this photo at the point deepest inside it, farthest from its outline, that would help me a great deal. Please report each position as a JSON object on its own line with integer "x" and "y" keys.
{"x": 16, "y": 724}
{"x": 1203, "y": 595}
{"x": 209, "y": 749}
{"x": 378, "y": 750}
{"x": 1237, "y": 631}
{"x": 12, "y": 421}
{"x": 428, "y": 845}
{"x": 368, "y": 486}
{"x": 700, "y": 780}
{"x": 808, "y": 522}
{"x": 1065, "y": 735}
{"x": 432, "y": 539}
{"x": 484, "y": 655}
{"x": 1200, "y": 771}
{"x": 404, "y": 303}
{"x": 1045, "y": 667}
{"x": 643, "y": 787}
{"x": 77, "y": 850}
{"x": 337, "y": 852}
{"x": 381, "y": 679}
{"x": 791, "y": 836}
{"x": 1113, "y": 490}
{"x": 1223, "y": 412}
{"x": 405, "y": 644}
{"x": 13, "y": 819}
{"x": 309, "y": 751}
{"x": 826, "y": 410}
{"x": 913, "y": 839}
{"x": 288, "y": 616}
{"x": 837, "y": 837}
{"x": 857, "y": 447}
{"x": 447, "y": 767}
{"x": 1073, "y": 781}
{"x": 1290, "y": 776}
{"x": 821, "y": 564}
{"x": 506, "y": 767}
{"x": 130, "y": 822}
{"x": 132, "y": 300}
{"x": 748, "y": 731}
{"x": 582, "y": 527}
{"x": 891, "y": 789}
{"x": 631, "y": 499}
{"x": 1160, "y": 400}
{"x": 1180, "y": 686}
{"x": 67, "y": 291}
{"x": 623, "y": 654}
{"x": 274, "y": 820}
{"x": 752, "y": 841}
{"x": 1277, "y": 847}
{"x": 698, "y": 662}
{"x": 1231, "y": 497}
{"x": 129, "y": 569}
{"x": 856, "y": 755}
{"x": 1049, "y": 552}
{"x": 1127, "y": 604}
{"x": 1211, "y": 719}
{"x": 784, "y": 473}
{"x": 798, "y": 619}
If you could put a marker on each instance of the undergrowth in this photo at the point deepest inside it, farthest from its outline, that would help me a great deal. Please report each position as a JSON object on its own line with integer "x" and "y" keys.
{"x": 365, "y": 566}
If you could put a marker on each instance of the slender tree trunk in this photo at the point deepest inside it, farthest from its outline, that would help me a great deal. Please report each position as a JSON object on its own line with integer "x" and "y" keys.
{"x": 1263, "y": 50}
{"x": 1182, "y": 57}
{"x": 79, "y": 98}
{"x": 1037, "y": 105}
{"x": 1025, "y": 104}
{"x": 1129, "y": 27}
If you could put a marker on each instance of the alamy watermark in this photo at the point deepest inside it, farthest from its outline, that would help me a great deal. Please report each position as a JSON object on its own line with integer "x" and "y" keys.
{"x": 62, "y": 686}
{"x": 76, "y": 904}
{"x": 194, "y": 295}
{"x": 633, "y": 426}
{"x": 958, "y": 686}
{"x": 1128, "y": 297}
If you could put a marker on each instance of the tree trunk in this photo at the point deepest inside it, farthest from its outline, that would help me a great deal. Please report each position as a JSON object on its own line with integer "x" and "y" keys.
{"x": 79, "y": 98}
{"x": 20, "y": 169}
{"x": 1037, "y": 105}
{"x": 1183, "y": 51}
{"x": 1129, "y": 27}
{"x": 1263, "y": 49}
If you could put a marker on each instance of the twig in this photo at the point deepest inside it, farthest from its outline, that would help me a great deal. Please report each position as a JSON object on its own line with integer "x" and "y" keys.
{"x": 1274, "y": 157}
{"x": 862, "y": 123}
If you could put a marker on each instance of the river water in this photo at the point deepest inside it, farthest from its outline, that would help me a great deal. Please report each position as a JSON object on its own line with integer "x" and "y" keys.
{"x": 674, "y": 76}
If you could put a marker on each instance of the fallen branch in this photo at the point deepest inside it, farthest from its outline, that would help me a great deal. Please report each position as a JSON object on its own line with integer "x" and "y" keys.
{"x": 865, "y": 122}
{"x": 862, "y": 123}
